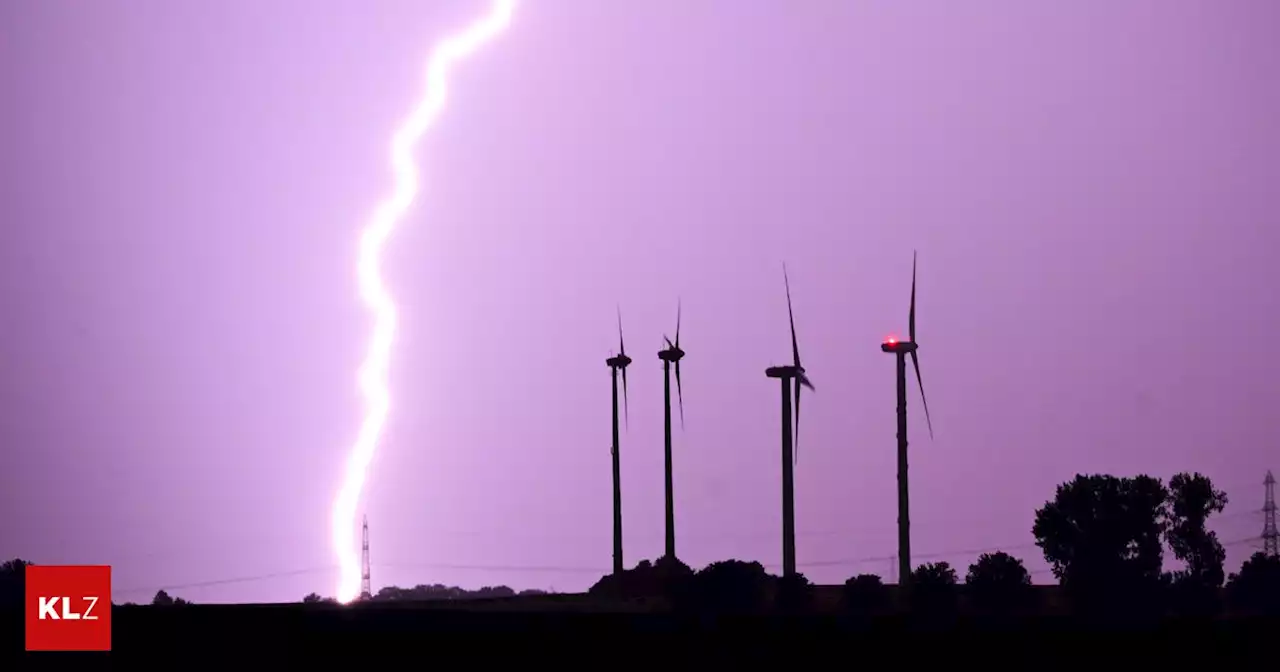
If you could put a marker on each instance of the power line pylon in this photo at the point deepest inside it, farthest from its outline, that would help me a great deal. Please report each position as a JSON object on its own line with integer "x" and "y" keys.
{"x": 366, "y": 586}
{"x": 1270, "y": 539}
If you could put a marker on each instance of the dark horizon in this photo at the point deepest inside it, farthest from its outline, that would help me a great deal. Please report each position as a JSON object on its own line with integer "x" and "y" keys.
{"x": 1090, "y": 188}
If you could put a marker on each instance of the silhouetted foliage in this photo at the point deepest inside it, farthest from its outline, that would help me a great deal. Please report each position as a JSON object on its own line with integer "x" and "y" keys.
{"x": 1103, "y": 537}
{"x": 430, "y": 592}
{"x": 1192, "y": 499}
{"x": 14, "y": 567}
{"x": 1256, "y": 588}
{"x": 864, "y": 594}
{"x": 794, "y": 594}
{"x": 666, "y": 578}
{"x": 438, "y": 591}
{"x": 163, "y": 599}
{"x": 999, "y": 582}
{"x": 933, "y": 586}
{"x": 730, "y": 586}
{"x": 13, "y": 583}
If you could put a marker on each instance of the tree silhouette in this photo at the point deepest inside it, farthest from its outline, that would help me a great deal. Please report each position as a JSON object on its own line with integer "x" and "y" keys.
{"x": 730, "y": 586}
{"x": 998, "y": 581}
{"x": 667, "y": 577}
{"x": 935, "y": 574}
{"x": 1256, "y": 588}
{"x": 864, "y": 594}
{"x": 1102, "y": 534}
{"x": 933, "y": 587}
{"x": 163, "y": 599}
{"x": 1192, "y": 499}
{"x": 13, "y": 581}
{"x": 14, "y": 567}
{"x": 794, "y": 594}
{"x": 424, "y": 592}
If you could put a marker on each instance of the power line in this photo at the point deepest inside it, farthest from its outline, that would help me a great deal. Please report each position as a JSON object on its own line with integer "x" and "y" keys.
{"x": 527, "y": 568}
{"x": 176, "y": 551}
{"x": 498, "y": 568}
{"x": 836, "y": 562}
{"x": 221, "y": 582}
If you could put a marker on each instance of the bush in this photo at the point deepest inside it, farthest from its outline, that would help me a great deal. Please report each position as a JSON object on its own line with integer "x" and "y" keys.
{"x": 730, "y": 586}
{"x": 794, "y": 595}
{"x": 1256, "y": 589}
{"x": 865, "y": 594}
{"x": 1188, "y": 595}
{"x": 999, "y": 582}
{"x": 933, "y": 587}
{"x": 666, "y": 578}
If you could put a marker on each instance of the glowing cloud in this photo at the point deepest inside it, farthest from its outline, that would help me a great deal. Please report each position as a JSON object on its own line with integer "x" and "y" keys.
{"x": 373, "y": 371}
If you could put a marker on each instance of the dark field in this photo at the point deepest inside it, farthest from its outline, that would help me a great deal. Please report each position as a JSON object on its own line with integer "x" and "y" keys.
{"x": 531, "y": 628}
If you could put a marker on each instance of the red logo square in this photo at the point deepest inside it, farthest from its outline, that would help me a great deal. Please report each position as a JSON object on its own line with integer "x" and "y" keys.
{"x": 68, "y": 608}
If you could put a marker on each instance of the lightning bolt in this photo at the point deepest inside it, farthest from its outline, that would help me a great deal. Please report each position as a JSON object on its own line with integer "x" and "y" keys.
{"x": 373, "y": 370}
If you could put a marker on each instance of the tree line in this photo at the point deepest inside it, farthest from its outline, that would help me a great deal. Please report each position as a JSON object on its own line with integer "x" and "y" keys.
{"x": 1103, "y": 536}
{"x": 433, "y": 592}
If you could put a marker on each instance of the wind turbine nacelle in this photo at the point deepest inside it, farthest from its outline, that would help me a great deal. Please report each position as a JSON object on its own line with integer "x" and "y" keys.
{"x": 619, "y": 362}
{"x": 671, "y": 355}
{"x": 781, "y": 372}
{"x": 898, "y": 347}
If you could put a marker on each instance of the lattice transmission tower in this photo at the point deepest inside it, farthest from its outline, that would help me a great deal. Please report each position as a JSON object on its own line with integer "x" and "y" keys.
{"x": 1270, "y": 539}
{"x": 366, "y": 586}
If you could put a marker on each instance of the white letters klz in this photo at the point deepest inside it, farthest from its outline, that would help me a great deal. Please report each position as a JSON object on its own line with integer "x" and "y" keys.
{"x": 47, "y": 610}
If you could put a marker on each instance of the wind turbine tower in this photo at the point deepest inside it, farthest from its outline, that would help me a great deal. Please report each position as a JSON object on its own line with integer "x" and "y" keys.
{"x": 901, "y": 350}
{"x": 671, "y": 357}
{"x": 618, "y": 363}
{"x": 787, "y": 374}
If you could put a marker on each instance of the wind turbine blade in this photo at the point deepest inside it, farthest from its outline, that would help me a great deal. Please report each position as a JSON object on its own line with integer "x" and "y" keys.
{"x": 677, "y": 344}
{"x": 795, "y": 443}
{"x": 669, "y": 344}
{"x": 915, "y": 363}
{"x": 626, "y": 405}
{"x": 622, "y": 347}
{"x": 680, "y": 394}
{"x": 911, "y": 316}
{"x": 795, "y": 345}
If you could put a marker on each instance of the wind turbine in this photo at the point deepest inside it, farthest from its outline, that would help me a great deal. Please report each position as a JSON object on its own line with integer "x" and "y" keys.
{"x": 670, "y": 357}
{"x": 786, "y": 374}
{"x": 901, "y": 349}
{"x": 618, "y": 363}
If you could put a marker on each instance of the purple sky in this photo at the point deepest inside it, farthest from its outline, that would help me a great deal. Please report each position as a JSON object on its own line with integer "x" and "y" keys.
{"x": 1091, "y": 186}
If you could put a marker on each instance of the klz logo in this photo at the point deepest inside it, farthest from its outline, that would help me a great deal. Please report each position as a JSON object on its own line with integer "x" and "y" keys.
{"x": 48, "y": 609}
{"x": 68, "y": 608}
